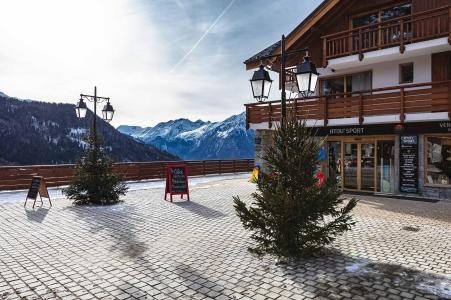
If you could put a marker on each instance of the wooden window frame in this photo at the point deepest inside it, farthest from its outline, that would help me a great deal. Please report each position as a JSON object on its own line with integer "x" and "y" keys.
{"x": 401, "y": 81}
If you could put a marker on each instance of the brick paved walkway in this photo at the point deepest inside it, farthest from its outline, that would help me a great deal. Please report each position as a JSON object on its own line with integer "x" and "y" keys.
{"x": 148, "y": 248}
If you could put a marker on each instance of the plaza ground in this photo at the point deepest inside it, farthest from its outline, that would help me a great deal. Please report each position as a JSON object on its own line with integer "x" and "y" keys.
{"x": 147, "y": 248}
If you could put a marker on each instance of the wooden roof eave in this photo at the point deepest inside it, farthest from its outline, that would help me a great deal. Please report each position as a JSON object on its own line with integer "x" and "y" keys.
{"x": 300, "y": 31}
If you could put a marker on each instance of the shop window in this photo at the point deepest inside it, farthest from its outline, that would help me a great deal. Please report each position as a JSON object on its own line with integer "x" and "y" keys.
{"x": 406, "y": 73}
{"x": 438, "y": 169}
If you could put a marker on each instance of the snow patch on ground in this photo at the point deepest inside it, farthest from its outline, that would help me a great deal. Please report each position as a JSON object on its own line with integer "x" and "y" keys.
{"x": 56, "y": 192}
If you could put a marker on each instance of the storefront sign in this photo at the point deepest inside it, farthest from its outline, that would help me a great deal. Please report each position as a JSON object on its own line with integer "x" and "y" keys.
{"x": 408, "y": 164}
{"x": 381, "y": 129}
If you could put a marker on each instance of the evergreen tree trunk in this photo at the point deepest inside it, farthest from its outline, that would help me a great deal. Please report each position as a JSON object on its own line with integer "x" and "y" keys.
{"x": 292, "y": 214}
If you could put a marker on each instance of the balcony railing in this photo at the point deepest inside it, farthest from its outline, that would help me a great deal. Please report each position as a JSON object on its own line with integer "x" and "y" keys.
{"x": 428, "y": 97}
{"x": 19, "y": 177}
{"x": 395, "y": 32}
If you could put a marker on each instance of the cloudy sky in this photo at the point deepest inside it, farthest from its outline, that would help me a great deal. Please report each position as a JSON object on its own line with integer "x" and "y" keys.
{"x": 156, "y": 59}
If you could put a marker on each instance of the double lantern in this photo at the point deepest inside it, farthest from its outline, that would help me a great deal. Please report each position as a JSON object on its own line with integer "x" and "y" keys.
{"x": 306, "y": 80}
{"x": 107, "y": 111}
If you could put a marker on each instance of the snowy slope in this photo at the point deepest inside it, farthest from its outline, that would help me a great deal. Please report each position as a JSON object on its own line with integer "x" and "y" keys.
{"x": 199, "y": 139}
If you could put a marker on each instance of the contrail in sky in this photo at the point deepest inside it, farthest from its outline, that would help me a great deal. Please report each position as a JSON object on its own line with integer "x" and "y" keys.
{"x": 203, "y": 35}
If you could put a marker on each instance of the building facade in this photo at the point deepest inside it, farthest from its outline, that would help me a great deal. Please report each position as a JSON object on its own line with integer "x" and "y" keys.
{"x": 383, "y": 100}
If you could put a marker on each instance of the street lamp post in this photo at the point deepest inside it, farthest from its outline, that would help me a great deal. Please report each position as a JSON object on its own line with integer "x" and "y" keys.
{"x": 107, "y": 111}
{"x": 306, "y": 77}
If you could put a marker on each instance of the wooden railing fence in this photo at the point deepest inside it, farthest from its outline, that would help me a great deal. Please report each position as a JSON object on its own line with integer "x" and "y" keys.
{"x": 418, "y": 27}
{"x": 19, "y": 177}
{"x": 396, "y": 100}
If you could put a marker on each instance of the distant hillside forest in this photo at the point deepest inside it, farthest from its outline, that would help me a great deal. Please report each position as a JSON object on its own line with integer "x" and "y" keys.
{"x": 33, "y": 132}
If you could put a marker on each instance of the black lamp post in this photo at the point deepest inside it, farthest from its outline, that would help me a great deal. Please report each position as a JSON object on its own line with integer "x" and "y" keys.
{"x": 306, "y": 77}
{"x": 107, "y": 111}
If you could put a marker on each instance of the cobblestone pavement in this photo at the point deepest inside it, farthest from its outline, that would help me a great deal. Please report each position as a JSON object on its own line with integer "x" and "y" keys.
{"x": 151, "y": 249}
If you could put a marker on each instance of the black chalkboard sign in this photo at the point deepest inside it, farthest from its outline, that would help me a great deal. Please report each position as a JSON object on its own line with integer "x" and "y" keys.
{"x": 176, "y": 181}
{"x": 408, "y": 164}
{"x": 34, "y": 187}
{"x": 37, "y": 186}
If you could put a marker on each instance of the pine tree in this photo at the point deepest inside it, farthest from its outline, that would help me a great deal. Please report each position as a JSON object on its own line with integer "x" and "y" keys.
{"x": 292, "y": 215}
{"x": 94, "y": 182}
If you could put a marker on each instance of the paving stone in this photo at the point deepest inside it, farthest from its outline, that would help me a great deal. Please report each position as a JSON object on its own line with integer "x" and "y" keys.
{"x": 146, "y": 248}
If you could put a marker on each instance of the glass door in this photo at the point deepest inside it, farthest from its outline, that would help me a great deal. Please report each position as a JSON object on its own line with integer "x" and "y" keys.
{"x": 350, "y": 162}
{"x": 367, "y": 156}
{"x": 385, "y": 166}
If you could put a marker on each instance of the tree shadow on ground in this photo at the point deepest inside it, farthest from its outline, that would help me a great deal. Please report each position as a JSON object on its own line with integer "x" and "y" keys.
{"x": 200, "y": 210}
{"x": 36, "y": 215}
{"x": 345, "y": 274}
{"x": 439, "y": 211}
{"x": 119, "y": 222}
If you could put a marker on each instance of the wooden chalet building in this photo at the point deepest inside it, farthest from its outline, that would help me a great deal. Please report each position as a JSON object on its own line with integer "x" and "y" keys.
{"x": 383, "y": 100}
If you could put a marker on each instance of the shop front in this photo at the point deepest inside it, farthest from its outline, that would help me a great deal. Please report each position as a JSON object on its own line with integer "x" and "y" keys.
{"x": 411, "y": 159}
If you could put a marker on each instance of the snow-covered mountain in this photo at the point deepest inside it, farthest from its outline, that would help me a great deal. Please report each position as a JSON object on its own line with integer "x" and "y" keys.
{"x": 198, "y": 140}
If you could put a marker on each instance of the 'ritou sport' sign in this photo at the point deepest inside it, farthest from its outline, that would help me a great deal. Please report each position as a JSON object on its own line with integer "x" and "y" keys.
{"x": 408, "y": 164}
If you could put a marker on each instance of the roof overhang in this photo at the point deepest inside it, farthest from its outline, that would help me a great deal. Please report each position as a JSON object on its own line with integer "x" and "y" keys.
{"x": 295, "y": 35}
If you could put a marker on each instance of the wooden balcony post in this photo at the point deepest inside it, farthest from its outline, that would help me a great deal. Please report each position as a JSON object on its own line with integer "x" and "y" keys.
{"x": 247, "y": 117}
{"x": 449, "y": 25}
{"x": 360, "y": 108}
{"x": 402, "y": 47}
{"x": 324, "y": 53}
{"x": 449, "y": 100}
{"x": 402, "y": 115}
{"x": 360, "y": 45}
{"x": 325, "y": 110}
{"x": 270, "y": 115}
{"x": 295, "y": 108}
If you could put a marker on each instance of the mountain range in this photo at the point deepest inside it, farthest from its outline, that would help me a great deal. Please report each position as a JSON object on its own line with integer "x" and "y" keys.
{"x": 34, "y": 132}
{"x": 198, "y": 140}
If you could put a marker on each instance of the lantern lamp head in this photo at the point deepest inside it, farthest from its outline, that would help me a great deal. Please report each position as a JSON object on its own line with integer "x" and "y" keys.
{"x": 306, "y": 77}
{"x": 108, "y": 112}
{"x": 261, "y": 84}
{"x": 81, "y": 108}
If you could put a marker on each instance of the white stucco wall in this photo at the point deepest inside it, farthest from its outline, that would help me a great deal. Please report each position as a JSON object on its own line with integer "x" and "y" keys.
{"x": 387, "y": 73}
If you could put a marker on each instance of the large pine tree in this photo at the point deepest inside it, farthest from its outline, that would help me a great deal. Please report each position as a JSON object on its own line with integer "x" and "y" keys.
{"x": 94, "y": 181}
{"x": 292, "y": 215}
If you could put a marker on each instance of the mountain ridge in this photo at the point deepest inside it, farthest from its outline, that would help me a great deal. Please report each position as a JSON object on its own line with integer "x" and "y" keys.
{"x": 199, "y": 139}
{"x": 35, "y": 132}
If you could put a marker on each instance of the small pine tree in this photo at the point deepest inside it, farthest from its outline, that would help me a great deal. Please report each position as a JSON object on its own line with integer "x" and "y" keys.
{"x": 94, "y": 182}
{"x": 292, "y": 215}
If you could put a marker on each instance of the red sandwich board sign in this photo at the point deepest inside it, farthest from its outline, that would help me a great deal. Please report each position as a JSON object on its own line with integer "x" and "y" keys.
{"x": 176, "y": 181}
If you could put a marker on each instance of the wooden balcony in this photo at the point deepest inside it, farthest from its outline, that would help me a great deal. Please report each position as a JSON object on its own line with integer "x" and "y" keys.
{"x": 397, "y": 32}
{"x": 431, "y": 97}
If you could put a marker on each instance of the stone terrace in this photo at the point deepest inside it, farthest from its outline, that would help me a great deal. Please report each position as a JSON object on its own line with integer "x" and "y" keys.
{"x": 151, "y": 249}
